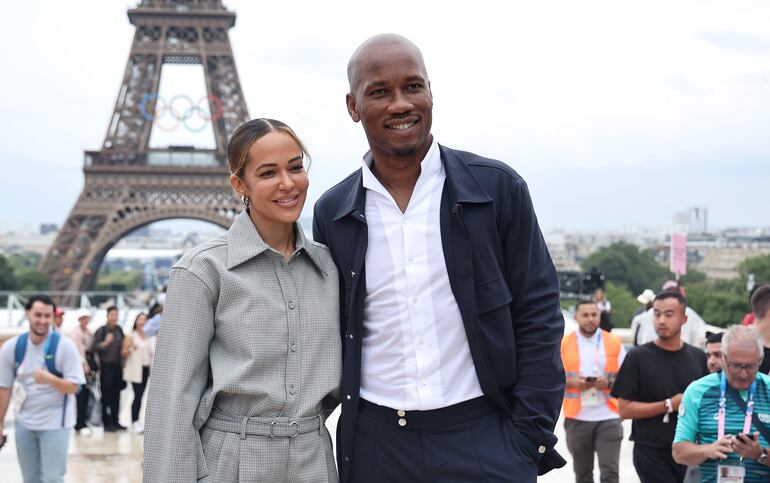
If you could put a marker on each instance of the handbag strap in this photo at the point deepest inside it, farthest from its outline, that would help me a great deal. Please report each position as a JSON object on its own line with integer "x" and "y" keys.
{"x": 754, "y": 417}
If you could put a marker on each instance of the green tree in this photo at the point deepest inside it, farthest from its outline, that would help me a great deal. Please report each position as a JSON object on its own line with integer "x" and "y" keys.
{"x": 758, "y": 266}
{"x": 628, "y": 266}
{"x": 119, "y": 280}
{"x": 623, "y": 303}
{"x": 32, "y": 280}
{"x": 7, "y": 276}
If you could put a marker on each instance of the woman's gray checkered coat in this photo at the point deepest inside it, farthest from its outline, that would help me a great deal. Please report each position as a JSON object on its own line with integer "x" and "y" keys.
{"x": 244, "y": 334}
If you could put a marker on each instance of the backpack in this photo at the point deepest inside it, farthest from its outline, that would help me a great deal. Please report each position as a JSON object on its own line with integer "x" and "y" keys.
{"x": 51, "y": 343}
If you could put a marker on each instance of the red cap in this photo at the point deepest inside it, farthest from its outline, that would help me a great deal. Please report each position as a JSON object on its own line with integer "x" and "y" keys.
{"x": 59, "y": 311}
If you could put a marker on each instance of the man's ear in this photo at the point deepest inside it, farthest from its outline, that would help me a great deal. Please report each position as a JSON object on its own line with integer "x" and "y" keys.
{"x": 350, "y": 101}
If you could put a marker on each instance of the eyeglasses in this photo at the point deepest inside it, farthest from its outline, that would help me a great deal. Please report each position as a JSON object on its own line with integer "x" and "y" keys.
{"x": 735, "y": 367}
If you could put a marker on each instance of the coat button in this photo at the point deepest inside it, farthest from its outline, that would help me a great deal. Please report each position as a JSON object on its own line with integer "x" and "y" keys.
{"x": 347, "y": 397}
{"x": 293, "y": 347}
{"x": 291, "y": 305}
{"x": 402, "y": 422}
{"x": 401, "y": 413}
{"x": 541, "y": 449}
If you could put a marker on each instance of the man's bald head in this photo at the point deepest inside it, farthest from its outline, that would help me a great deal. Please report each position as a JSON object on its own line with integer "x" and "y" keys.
{"x": 376, "y": 43}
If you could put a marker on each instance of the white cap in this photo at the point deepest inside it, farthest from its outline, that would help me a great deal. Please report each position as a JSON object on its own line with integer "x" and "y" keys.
{"x": 83, "y": 313}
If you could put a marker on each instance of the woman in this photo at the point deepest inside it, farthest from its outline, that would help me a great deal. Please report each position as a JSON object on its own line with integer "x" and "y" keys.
{"x": 137, "y": 352}
{"x": 248, "y": 362}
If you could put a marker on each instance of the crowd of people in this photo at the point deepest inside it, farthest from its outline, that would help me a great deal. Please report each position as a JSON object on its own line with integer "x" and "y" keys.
{"x": 58, "y": 379}
{"x": 698, "y": 410}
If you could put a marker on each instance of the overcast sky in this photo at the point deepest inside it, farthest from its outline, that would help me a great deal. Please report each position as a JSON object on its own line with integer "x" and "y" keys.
{"x": 616, "y": 113}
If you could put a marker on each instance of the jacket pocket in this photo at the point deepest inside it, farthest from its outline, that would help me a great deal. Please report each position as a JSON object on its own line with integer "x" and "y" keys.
{"x": 492, "y": 294}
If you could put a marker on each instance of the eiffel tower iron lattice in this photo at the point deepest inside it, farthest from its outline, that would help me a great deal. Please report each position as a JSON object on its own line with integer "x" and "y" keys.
{"x": 127, "y": 183}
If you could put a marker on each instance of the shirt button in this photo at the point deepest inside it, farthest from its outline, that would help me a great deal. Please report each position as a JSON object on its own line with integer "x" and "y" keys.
{"x": 403, "y": 222}
{"x": 421, "y": 342}
{"x": 291, "y": 305}
{"x": 401, "y": 413}
{"x": 409, "y": 261}
{"x": 347, "y": 458}
{"x": 350, "y": 336}
{"x": 347, "y": 397}
{"x": 402, "y": 422}
{"x": 423, "y": 382}
{"x": 541, "y": 449}
{"x": 414, "y": 300}
{"x": 293, "y": 347}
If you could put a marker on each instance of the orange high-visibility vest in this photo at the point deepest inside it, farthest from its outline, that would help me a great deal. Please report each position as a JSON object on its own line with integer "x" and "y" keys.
{"x": 570, "y": 356}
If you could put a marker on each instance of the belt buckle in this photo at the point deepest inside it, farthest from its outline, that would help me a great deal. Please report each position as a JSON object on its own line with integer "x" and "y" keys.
{"x": 272, "y": 426}
{"x": 296, "y": 431}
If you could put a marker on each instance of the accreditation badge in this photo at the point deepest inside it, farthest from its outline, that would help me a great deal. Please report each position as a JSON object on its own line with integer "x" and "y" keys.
{"x": 589, "y": 397}
{"x": 731, "y": 473}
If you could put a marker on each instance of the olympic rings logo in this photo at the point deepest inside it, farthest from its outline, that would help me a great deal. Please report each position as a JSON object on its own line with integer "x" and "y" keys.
{"x": 168, "y": 116}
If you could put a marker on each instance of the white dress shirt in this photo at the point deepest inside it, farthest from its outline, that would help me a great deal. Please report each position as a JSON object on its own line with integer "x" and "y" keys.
{"x": 415, "y": 352}
{"x": 591, "y": 366}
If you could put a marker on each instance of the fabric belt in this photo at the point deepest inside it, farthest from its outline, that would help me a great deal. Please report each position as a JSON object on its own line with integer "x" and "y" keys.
{"x": 430, "y": 419}
{"x": 259, "y": 426}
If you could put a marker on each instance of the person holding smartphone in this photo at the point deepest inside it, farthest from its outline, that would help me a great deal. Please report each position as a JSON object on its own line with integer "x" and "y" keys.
{"x": 722, "y": 416}
{"x": 591, "y": 358}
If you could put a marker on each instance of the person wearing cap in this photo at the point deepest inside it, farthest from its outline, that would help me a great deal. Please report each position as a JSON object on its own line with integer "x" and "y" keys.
{"x": 693, "y": 333}
{"x": 721, "y": 424}
{"x": 760, "y": 307}
{"x": 58, "y": 319}
{"x": 83, "y": 337}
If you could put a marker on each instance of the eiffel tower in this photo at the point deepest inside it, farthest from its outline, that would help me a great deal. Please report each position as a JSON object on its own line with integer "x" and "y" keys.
{"x": 128, "y": 184}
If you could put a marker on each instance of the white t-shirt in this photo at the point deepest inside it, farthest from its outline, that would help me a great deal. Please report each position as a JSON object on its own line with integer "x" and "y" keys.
{"x": 42, "y": 410}
{"x": 588, "y": 368}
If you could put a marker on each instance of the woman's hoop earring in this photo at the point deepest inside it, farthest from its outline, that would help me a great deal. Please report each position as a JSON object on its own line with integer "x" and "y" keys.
{"x": 245, "y": 200}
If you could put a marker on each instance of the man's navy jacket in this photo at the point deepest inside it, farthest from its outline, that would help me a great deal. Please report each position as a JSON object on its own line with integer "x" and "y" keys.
{"x": 502, "y": 278}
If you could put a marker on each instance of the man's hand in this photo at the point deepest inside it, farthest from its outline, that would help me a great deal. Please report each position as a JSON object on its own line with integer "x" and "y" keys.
{"x": 602, "y": 383}
{"x": 676, "y": 400}
{"x": 719, "y": 449}
{"x": 746, "y": 446}
{"x": 43, "y": 377}
{"x": 108, "y": 339}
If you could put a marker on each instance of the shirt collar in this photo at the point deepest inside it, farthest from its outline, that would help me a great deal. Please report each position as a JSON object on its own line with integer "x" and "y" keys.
{"x": 430, "y": 166}
{"x": 244, "y": 243}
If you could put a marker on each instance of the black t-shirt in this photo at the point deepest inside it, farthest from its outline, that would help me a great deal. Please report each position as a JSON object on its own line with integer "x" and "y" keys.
{"x": 651, "y": 374}
{"x": 764, "y": 368}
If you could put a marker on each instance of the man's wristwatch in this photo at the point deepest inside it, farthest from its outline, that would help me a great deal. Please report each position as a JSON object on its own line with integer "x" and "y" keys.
{"x": 762, "y": 460}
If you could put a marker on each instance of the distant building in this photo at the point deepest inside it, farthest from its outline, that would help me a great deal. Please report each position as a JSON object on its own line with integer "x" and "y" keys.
{"x": 46, "y": 228}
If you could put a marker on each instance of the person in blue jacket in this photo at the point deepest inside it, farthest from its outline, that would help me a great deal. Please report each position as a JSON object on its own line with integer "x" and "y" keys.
{"x": 449, "y": 299}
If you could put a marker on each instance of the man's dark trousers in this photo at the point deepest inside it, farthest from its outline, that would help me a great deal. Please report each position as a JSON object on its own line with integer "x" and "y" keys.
{"x": 111, "y": 379}
{"x": 468, "y": 442}
{"x": 82, "y": 406}
{"x": 657, "y": 465}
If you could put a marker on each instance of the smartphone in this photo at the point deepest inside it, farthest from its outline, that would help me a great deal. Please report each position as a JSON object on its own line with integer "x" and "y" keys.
{"x": 744, "y": 437}
{"x": 590, "y": 379}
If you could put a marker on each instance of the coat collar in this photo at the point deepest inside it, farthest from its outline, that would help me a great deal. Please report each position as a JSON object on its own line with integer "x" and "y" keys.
{"x": 462, "y": 186}
{"x": 244, "y": 243}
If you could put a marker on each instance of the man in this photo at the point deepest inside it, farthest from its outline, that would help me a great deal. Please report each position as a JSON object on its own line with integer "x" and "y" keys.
{"x": 591, "y": 358}
{"x": 649, "y": 389}
{"x": 605, "y": 309}
{"x": 721, "y": 441}
{"x": 760, "y": 307}
{"x": 58, "y": 319}
{"x": 450, "y": 301}
{"x": 107, "y": 341}
{"x": 43, "y": 369}
{"x": 714, "y": 351}
{"x": 83, "y": 338}
{"x": 694, "y": 333}
{"x": 152, "y": 326}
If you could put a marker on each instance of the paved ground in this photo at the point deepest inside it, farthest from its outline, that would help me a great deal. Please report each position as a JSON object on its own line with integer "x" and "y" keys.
{"x": 116, "y": 457}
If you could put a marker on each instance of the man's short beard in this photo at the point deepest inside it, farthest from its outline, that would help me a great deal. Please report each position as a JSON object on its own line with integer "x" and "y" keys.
{"x": 405, "y": 150}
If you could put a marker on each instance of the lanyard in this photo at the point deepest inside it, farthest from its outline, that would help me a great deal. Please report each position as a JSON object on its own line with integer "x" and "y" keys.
{"x": 598, "y": 349}
{"x": 723, "y": 404}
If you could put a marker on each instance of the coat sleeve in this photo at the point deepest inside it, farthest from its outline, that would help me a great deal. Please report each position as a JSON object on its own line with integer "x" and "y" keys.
{"x": 172, "y": 446}
{"x": 538, "y": 326}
